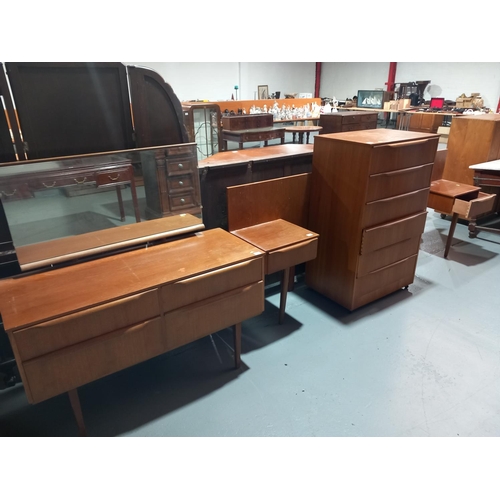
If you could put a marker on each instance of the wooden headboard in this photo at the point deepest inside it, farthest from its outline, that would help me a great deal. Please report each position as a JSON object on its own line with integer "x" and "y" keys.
{"x": 283, "y": 198}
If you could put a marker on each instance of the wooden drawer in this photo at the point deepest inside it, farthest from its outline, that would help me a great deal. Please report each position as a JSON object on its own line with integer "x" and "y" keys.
{"x": 190, "y": 323}
{"x": 384, "y": 281}
{"x": 207, "y": 285}
{"x": 180, "y": 182}
{"x": 371, "y": 118}
{"x": 387, "y": 255}
{"x": 397, "y": 182}
{"x": 180, "y": 165}
{"x": 396, "y": 207}
{"x": 471, "y": 209}
{"x": 384, "y": 235}
{"x": 350, "y": 127}
{"x": 401, "y": 155}
{"x": 291, "y": 256}
{"x": 181, "y": 150}
{"x": 348, "y": 119}
{"x": 69, "y": 368}
{"x": 110, "y": 177}
{"x": 79, "y": 327}
{"x": 182, "y": 201}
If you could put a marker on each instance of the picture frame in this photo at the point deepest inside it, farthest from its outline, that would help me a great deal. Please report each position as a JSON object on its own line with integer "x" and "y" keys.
{"x": 262, "y": 92}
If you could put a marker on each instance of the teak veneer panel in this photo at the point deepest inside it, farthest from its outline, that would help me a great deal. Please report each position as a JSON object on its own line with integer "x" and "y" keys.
{"x": 368, "y": 187}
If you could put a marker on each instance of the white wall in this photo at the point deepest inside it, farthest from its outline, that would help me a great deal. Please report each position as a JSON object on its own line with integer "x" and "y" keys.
{"x": 344, "y": 79}
{"x": 451, "y": 79}
{"x": 215, "y": 81}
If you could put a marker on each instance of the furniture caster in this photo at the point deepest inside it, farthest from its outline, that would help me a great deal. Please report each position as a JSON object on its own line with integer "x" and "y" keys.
{"x": 443, "y": 216}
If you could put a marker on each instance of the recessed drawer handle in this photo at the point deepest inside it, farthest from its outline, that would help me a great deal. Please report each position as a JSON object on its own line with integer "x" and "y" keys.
{"x": 406, "y": 144}
{"x": 80, "y": 182}
{"x": 49, "y": 186}
{"x": 114, "y": 178}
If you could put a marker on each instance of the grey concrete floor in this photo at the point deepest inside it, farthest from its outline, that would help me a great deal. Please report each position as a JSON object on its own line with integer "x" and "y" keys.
{"x": 420, "y": 362}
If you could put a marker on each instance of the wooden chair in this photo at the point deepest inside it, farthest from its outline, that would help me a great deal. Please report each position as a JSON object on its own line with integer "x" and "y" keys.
{"x": 272, "y": 216}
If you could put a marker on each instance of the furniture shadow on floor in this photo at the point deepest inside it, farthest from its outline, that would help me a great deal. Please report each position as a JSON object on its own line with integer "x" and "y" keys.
{"x": 345, "y": 316}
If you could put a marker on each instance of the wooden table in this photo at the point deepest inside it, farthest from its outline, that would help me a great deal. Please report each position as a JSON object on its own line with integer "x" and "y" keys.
{"x": 301, "y": 130}
{"x": 251, "y": 135}
{"x": 20, "y": 181}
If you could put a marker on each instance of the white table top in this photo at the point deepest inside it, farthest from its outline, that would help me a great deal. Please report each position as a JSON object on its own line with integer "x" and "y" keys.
{"x": 488, "y": 165}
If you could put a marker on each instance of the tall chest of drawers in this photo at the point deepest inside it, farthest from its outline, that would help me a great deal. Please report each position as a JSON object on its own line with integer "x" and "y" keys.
{"x": 369, "y": 193}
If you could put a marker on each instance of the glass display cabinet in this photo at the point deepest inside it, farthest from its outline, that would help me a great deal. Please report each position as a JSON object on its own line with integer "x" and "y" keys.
{"x": 203, "y": 125}
{"x": 373, "y": 99}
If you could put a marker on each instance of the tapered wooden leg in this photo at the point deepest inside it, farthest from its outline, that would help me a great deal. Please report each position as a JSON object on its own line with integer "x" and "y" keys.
{"x": 77, "y": 410}
{"x": 237, "y": 345}
{"x": 450, "y": 234}
{"x": 284, "y": 290}
{"x": 120, "y": 202}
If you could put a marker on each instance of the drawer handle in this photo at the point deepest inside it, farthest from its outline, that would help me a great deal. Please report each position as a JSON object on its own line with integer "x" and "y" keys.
{"x": 406, "y": 144}
{"x": 181, "y": 166}
{"x": 47, "y": 186}
{"x": 183, "y": 200}
{"x": 181, "y": 183}
{"x": 80, "y": 182}
{"x": 9, "y": 194}
{"x": 114, "y": 179}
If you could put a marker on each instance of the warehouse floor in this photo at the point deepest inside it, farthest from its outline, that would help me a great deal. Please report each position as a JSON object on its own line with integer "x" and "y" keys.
{"x": 420, "y": 362}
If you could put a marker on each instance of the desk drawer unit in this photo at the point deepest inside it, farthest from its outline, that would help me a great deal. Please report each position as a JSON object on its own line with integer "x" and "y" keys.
{"x": 371, "y": 212}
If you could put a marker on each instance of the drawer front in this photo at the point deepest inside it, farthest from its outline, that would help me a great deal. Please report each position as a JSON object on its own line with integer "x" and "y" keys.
{"x": 471, "y": 209}
{"x": 350, "y": 127}
{"x": 113, "y": 177}
{"x": 182, "y": 201}
{"x": 403, "y": 155}
{"x": 180, "y": 182}
{"x": 384, "y": 281}
{"x": 180, "y": 165}
{"x": 183, "y": 150}
{"x": 384, "y": 235}
{"x": 210, "y": 284}
{"x": 69, "y": 368}
{"x": 291, "y": 255}
{"x": 397, "y": 207}
{"x": 372, "y": 118}
{"x": 397, "y": 182}
{"x": 348, "y": 119}
{"x": 190, "y": 323}
{"x": 75, "y": 328}
{"x": 373, "y": 261}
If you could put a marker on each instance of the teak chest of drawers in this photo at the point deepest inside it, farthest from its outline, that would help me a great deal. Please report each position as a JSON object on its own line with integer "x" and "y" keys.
{"x": 368, "y": 202}
{"x": 76, "y": 324}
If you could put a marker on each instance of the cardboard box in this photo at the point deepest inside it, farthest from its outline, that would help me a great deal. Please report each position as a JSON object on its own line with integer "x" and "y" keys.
{"x": 444, "y": 133}
{"x": 404, "y": 103}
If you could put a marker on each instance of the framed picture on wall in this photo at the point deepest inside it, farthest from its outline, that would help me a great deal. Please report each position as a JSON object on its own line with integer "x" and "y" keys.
{"x": 263, "y": 92}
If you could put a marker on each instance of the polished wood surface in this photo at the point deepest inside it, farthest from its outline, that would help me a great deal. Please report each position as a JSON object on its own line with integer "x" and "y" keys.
{"x": 473, "y": 139}
{"x": 369, "y": 190}
{"x": 231, "y": 168}
{"x": 49, "y": 253}
{"x": 132, "y": 307}
{"x": 245, "y": 122}
{"x": 347, "y": 121}
{"x": 253, "y": 135}
{"x": 257, "y": 202}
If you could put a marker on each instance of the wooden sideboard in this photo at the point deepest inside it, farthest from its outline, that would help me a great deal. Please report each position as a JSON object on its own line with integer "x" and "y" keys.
{"x": 346, "y": 121}
{"x": 231, "y": 168}
{"x": 369, "y": 193}
{"x": 76, "y": 324}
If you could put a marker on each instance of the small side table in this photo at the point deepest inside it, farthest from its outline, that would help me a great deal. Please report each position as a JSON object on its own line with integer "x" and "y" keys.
{"x": 301, "y": 130}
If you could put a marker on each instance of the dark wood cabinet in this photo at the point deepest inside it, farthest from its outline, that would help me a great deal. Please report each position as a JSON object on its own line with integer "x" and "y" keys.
{"x": 369, "y": 193}
{"x": 346, "y": 121}
{"x": 244, "y": 122}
